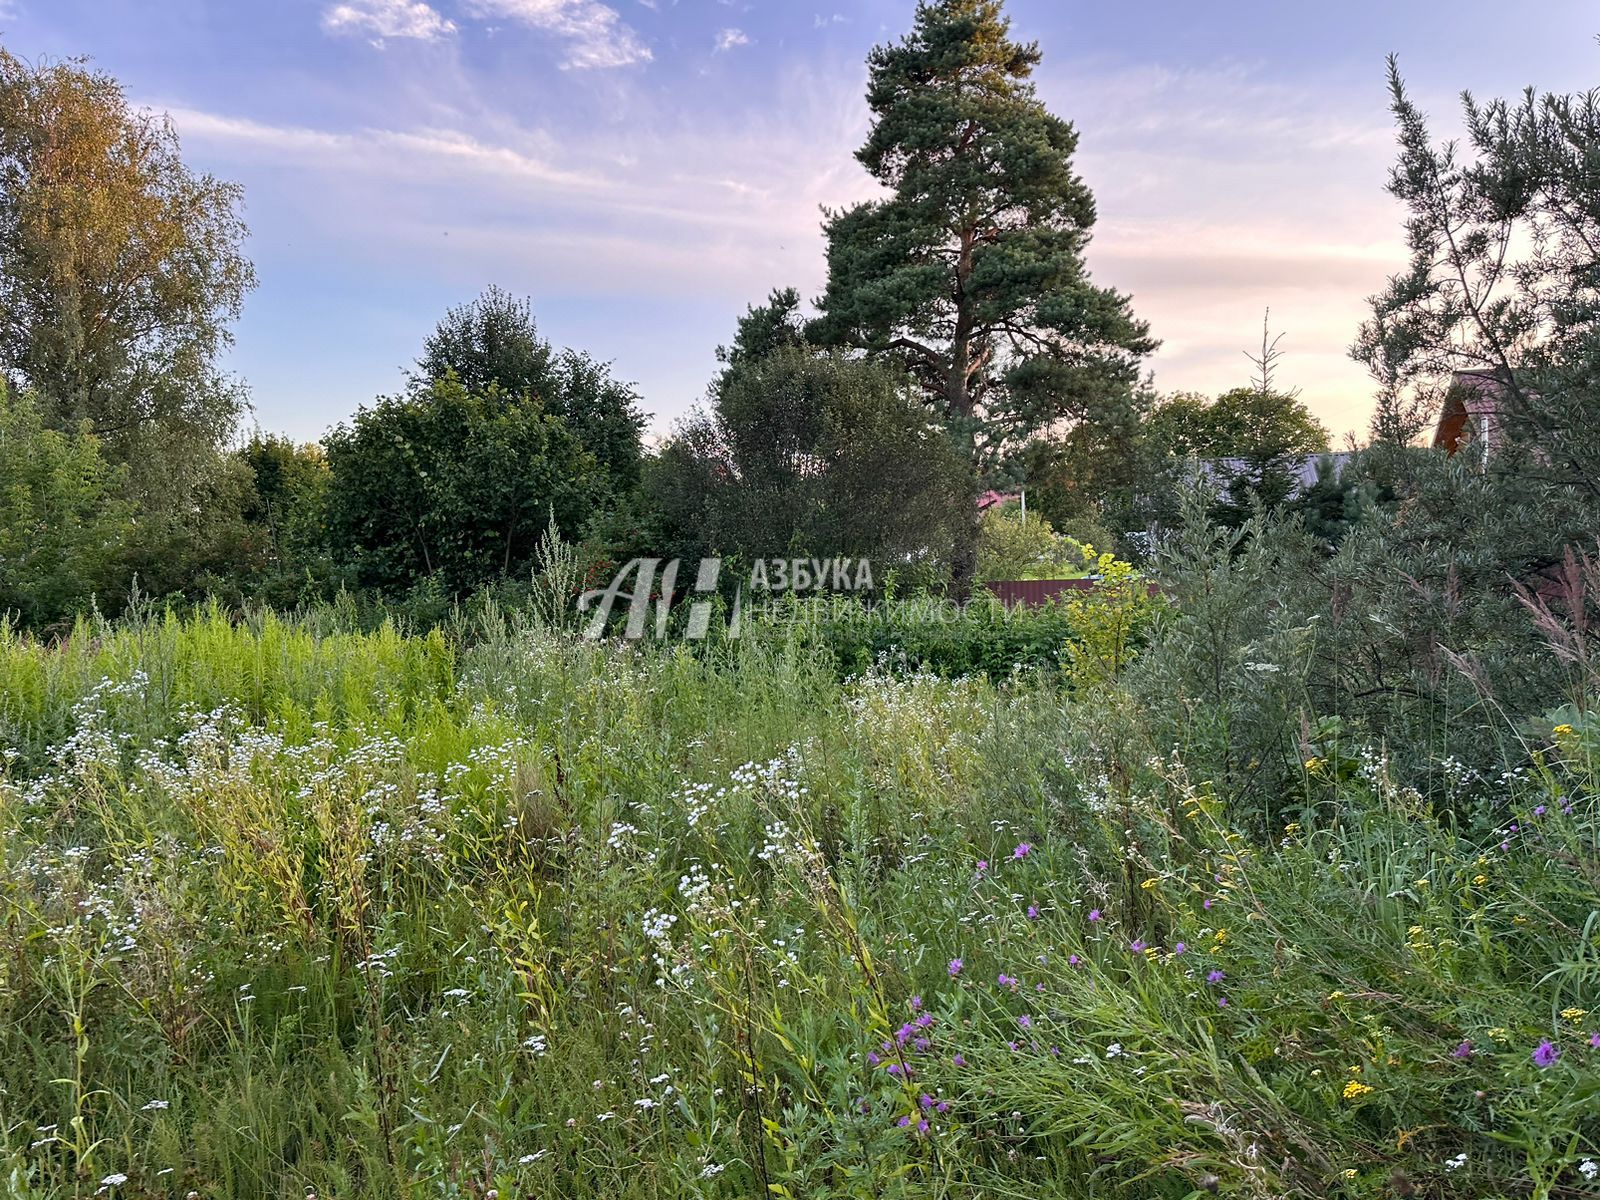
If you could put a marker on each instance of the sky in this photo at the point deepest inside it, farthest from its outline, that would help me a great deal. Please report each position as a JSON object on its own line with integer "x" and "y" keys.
{"x": 644, "y": 169}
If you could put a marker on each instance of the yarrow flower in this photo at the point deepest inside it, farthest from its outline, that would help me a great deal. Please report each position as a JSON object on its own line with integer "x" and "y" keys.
{"x": 1545, "y": 1054}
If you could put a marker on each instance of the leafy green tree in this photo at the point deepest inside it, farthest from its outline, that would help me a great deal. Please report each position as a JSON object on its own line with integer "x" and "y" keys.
{"x": 454, "y": 485}
{"x": 808, "y": 452}
{"x": 971, "y": 269}
{"x": 120, "y": 270}
{"x": 63, "y": 525}
{"x": 285, "y": 515}
{"x": 494, "y": 342}
{"x": 1011, "y": 547}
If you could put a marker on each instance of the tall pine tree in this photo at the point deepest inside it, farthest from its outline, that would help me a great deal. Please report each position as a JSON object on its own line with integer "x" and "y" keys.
{"x": 972, "y": 269}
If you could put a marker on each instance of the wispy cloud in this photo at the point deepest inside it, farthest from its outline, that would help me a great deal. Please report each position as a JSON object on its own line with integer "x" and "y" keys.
{"x": 594, "y": 33}
{"x": 729, "y": 38}
{"x": 383, "y": 19}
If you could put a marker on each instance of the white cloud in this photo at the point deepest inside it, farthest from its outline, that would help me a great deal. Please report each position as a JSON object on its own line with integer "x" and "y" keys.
{"x": 729, "y": 38}
{"x": 594, "y": 33}
{"x": 381, "y": 19}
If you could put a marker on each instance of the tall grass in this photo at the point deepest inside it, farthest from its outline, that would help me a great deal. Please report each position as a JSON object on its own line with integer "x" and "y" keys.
{"x": 287, "y": 907}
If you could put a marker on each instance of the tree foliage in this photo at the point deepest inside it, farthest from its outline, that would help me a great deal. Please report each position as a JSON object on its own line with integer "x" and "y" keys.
{"x": 120, "y": 269}
{"x": 453, "y": 484}
{"x": 972, "y": 269}
{"x": 63, "y": 525}
{"x": 809, "y": 451}
{"x": 494, "y": 342}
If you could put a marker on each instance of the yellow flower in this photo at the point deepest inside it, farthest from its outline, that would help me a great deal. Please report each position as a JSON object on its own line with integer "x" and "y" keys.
{"x": 1348, "y": 1172}
{"x": 1562, "y": 731}
{"x": 1480, "y": 880}
{"x": 1355, "y": 1089}
{"x": 1292, "y": 828}
{"x": 1519, "y": 919}
{"x": 1498, "y": 1033}
{"x": 1313, "y": 765}
{"x": 1574, "y": 1014}
{"x": 1335, "y": 995}
{"x": 1422, "y": 883}
{"x": 1221, "y": 936}
{"x": 1149, "y": 883}
{"x": 1405, "y": 1136}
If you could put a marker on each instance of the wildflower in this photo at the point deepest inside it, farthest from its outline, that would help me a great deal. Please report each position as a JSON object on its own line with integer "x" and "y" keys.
{"x": 983, "y": 865}
{"x": 955, "y": 967}
{"x": 116, "y": 1179}
{"x": 1033, "y": 912}
{"x": 1335, "y": 995}
{"x": 1574, "y": 1014}
{"x": 1545, "y": 1054}
{"x": 958, "y": 1061}
{"x": 1215, "y": 976}
{"x": 1073, "y": 960}
{"x": 1094, "y": 914}
{"x": 1539, "y": 811}
{"x": 1005, "y": 980}
{"x": 1025, "y": 1021}
{"x": 1464, "y": 1050}
{"x": 1114, "y": 1050}
{"x": 1223, "y": 1002}
{"x": 1137, "y": 946}
{"x": 1480, "y": 880}
{"x": 872, "y": 1058}
{"x": 1206, "y": 904}
{"x": 1594, "y": 1040}
{"x": 1588, "y": 1168}
{"x": 925, "y": 1100}
{"x": 1348, "y": 1173}
{"x": 922, "y": 1126}
{"x": 1150, "y": 883}
{"x": 1456, "y": 1163}
{"x": 1022, "y": 851}
{"x": 904, "y": 1122}
{"x": 1562, "y": 731}
{"x": 1221, "y": 936}
{"x": 1179, "y": 950}
{"x": 916, "y": 1003}
{"x": 156, "y": 1105}
{"x": 1355, "y": 1089}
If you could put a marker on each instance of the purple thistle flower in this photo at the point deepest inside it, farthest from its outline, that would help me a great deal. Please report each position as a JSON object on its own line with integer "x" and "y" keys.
{"x": 923, "y": 1020}
{"x": 1540, "y": 811}
{"x": 1033, "y": 912}
{"x": 1545, "y": 1054}
{"x": 1207, "y": 903}
{"x": 872, "y": 1058}
{"x": 1073, "y": 960}
{"x": 1594, "y": 1040}
{"x": 904, "y": 1122}
{"x": 1222, "y": 1003}
{"x": 955, "y": 967}
{"x": 1094, "y": 914}
{"x": 1137, "y": 945}
{"x": 922, "y": 1126}
{"x": 1025, "y": 1021}
{"x": 942, "y": 1107}
{"x": 1022, "y": 851}
{"x": 1180, "y": 949}
{"x": 958, "y": 1061}
{"x": 1462, "y": 1051}
{"x": 896, "y": 1070}
{"x": 1005, "y": 980}
{"x": 925, "y": 1100}
{"x": 983, "y": 865}
{"x": 1215, "y": 976}
{"x": 916, "y": 1003}
{"x": 921, "y": 1045}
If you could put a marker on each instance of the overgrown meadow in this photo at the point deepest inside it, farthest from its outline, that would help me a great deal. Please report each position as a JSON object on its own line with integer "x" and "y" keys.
{"x": 291, "y": 908}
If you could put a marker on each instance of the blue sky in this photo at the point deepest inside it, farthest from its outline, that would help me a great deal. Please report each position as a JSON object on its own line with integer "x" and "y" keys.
{"x": 643, "y": 169}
